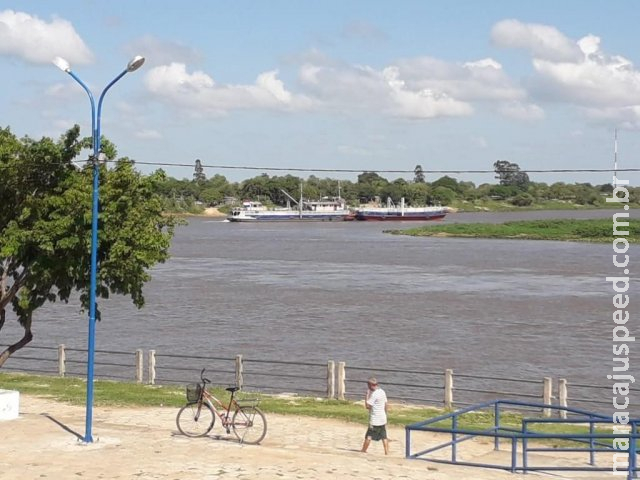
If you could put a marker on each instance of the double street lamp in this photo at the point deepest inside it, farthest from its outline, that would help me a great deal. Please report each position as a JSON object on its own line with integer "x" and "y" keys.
{"x": 63, "y": 65}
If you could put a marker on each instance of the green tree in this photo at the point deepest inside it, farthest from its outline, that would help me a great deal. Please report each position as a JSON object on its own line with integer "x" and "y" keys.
{"x": 418, "y": 174}
{"x": 522, "y": 200}
{"x": 198, "y": 174}
{"x": 448, "y": 182}
{"x": 45, "y": 228}
{"x": 370, "y": 185}
{"x": 510, "y": 175}
{"x": 443, "y": 195}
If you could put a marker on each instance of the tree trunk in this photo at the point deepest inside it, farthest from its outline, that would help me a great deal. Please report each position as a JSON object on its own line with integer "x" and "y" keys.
{"x": 28, "y": 336}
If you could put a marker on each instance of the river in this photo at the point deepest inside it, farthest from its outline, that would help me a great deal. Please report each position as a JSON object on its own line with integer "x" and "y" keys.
{"x": 349, "y": 292}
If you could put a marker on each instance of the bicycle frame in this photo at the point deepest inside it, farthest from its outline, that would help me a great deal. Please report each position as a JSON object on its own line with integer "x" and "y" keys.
{"x": 246, "y": 421}
{"x": 213, "y": 402}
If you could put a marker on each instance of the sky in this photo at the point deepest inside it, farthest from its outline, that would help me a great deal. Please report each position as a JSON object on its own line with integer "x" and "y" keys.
{"x": 335, "y": 88}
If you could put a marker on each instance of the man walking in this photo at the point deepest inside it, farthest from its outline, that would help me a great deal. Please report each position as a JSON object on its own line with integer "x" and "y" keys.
{"x": 376, "y": 402}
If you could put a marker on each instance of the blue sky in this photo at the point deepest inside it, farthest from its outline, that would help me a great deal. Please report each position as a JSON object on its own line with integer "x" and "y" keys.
{"x": 362, "y": 85}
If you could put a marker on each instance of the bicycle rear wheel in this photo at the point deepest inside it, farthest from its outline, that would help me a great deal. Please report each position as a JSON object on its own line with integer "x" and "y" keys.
{"x": 249, "y": 425}
{"x": 195, "y": 419}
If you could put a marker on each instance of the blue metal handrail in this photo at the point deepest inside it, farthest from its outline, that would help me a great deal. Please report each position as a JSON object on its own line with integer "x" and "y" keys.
{"x": 593, "y": 441}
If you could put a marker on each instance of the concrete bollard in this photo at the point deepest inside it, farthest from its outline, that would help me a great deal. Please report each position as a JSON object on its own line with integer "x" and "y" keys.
{"x": 341, "y": 380}
{"x": 151, "y": 365}
{"x": 239, "y": 372}
{"x": 331, "y": 379}
{"x": 139, "y": 365}
{"x": 562, "y": 396}
{"x": 448, "y": 389}
{"x": 547, "y": 389}
{"x": 62, "y": 358}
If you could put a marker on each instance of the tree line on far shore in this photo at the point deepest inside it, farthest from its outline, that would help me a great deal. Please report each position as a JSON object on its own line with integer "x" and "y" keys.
{"x": 513, "y": 188}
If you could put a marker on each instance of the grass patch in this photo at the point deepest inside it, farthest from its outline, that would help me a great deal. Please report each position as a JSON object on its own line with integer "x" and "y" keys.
{"x": 108, "y": 393}
{"x": 593, "y": 230}
{"x": 119, "y": 394}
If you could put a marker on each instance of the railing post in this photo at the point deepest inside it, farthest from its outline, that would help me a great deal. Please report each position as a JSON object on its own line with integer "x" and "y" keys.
{"x": 331, "y": 379}
{"x": 139, "y": 365}
{"x": 547, "y": 389}
{"x": 562, "y": 396}
{"x": 341, "y": 380}
{"x": 61, "y": 360}
{"x": 152, "y": 367}
{"x": 239, "y": 372}
{"x": 448, "y": 389}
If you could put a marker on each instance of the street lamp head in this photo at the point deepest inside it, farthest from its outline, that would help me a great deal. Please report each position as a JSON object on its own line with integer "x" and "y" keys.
{"x": 135, "y": 63}
{"x": 62, "y": 64}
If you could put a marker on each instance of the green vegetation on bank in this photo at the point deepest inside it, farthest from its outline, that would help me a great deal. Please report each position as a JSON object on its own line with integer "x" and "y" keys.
{"x": 120, "y": 394}
{"x": 107, "y": 393}
{"x": 513, "y": 191}
{"x": 598, "y": 230}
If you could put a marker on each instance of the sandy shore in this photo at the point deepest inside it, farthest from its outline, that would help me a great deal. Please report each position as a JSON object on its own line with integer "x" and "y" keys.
{"x": 143, "y": 443}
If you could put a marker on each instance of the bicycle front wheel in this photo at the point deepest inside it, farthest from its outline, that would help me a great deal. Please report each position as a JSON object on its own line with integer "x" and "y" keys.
{"x": 195, "y": 419}
{"x": 249, "y": 425}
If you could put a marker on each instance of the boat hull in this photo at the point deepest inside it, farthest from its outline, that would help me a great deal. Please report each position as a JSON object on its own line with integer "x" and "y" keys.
{"x": 290, "y": 217}
{"x": 397, "y": 216}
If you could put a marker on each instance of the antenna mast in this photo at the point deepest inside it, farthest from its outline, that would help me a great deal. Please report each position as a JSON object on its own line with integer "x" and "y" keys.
{"x": 615, "y": 157}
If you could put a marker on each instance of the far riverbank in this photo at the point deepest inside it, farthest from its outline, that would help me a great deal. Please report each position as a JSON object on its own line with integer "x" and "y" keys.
{"x": 574, "y": 230}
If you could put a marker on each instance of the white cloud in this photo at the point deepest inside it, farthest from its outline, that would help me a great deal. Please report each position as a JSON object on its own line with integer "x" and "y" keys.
{"x": 579, "y": 72}
{"x": 628, "y": 118}
{"x": 423, "y": 103}
{"x": 199, "y": 94}
{"x": 36, "y": 41}
{"x": 162, "y": 52}
{"x": 421, "y": 87}
{"x": 148, "y": 134}
{"x": 595, "y": 80}
{"x": 483, "y": 79}
{"x": 521, "y": 111}
{"x": 543, "y": 41}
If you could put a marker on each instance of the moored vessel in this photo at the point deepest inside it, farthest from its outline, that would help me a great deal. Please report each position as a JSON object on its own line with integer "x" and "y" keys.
{"x": 401, "y": 213}
{"x": 325, "y": 210}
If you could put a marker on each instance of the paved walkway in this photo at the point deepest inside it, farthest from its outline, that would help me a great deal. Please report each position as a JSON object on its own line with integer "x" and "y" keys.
{"x": 143, "y": 443}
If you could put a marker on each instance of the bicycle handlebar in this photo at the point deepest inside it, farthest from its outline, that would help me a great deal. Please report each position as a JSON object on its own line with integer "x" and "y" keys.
{"x": 203, "y": 378}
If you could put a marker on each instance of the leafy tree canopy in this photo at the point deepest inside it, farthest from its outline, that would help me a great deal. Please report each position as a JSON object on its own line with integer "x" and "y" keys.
{"x": 510, "y": 175}
{"x": 45, "y": 227}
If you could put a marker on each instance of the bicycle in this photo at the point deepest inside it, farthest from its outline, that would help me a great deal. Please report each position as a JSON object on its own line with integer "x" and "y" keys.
{"x": 197, "y": 417}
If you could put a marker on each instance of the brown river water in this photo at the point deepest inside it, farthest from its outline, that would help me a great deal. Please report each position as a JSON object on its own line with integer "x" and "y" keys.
{"x": 349, "y": 292}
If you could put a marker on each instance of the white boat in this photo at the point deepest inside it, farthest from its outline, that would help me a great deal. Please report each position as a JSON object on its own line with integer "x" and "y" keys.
{"x": 325, "y": 210}
{"x": 391, "y": 212}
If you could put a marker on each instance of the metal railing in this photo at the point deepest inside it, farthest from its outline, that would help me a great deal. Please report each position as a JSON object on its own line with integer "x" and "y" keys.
{"x": 331, "y": 380}
{"x": 589, "y": 439}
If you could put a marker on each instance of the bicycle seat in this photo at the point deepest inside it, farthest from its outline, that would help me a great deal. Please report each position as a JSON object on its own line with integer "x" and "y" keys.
{"x": 232, "y": 389}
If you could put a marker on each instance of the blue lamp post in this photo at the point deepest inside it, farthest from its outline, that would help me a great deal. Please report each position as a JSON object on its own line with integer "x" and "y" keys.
{"x": 63, "y": 65}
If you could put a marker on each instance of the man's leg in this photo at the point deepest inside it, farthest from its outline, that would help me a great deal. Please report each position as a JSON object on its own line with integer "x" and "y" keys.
{"x": 385, "y": 444}
{"x": 365, "y": 445}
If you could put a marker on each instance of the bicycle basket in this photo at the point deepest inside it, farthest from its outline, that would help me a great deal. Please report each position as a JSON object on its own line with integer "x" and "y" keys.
{"x": 193, "y": 392}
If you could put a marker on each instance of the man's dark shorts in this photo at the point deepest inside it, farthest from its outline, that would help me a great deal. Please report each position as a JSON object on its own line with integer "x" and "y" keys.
{"x": 376, "y": 433}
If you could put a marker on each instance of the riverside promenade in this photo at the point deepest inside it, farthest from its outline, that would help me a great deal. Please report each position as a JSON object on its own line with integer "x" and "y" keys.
{"x": 143, "y": 443}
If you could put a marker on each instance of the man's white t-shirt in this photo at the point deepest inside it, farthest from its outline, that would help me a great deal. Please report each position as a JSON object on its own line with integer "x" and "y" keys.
{"x": 377, "y": 415}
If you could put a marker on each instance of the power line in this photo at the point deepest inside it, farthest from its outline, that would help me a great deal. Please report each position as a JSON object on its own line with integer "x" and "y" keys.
{"x": 360, "y": 170}
{"x": 351, "y": 170}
